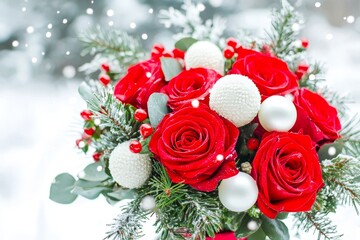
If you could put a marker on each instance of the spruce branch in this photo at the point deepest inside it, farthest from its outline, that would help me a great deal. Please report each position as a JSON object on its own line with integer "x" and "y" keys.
{"x": 128, "y": 225}
{"x": 190, "y": 23}
{"x": 339, "y": 175}
{"x": 351, "y": 136}
{"x": 282, "y": 35}
{"x": 318, "y": 222}
{"x": 116, "y": 119}
{"x": 110, "y": 45}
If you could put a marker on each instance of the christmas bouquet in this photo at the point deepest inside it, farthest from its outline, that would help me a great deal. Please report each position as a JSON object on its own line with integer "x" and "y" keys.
{"x": 217, "y": 138}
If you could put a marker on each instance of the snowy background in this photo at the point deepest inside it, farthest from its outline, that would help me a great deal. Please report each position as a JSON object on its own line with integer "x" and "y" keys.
{"x": 39, "y": 104}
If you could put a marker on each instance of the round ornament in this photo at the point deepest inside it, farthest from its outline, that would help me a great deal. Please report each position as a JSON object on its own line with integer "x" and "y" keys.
{"x": 204, "y": 54}
{"x": 130, "y": 170}
{"x": 277, "y": 113}
{"x": 238, "y": 193}
{"x": 236, "y": 98}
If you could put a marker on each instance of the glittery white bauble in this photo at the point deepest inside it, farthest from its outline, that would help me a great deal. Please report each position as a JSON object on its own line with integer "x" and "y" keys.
{"x": 130, "y": 170}
{"x": 204, "y": 54}
{"x": 238, "y": 193}
{"x": 236, "y": 98}
{"x": 277, "y": 113}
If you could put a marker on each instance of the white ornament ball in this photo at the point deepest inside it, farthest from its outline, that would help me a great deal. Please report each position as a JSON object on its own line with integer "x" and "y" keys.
{"x": 236, "y": 98}
{"x": 238, "y": 193}
{"x": 277, "y": 113}
{"x": 148, "y": 203}
{"x": 130, "y": 170}
{"x": 204, "y": 54}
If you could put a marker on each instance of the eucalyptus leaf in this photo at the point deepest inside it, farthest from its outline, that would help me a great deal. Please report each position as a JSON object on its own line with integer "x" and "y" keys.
{"x": 157, "y": 108}
{"x": 60, "y": 190}
{"x": 282, "y": 215}
{"x": 121, "y": 194}
{"x": 258, "y": 235}
{"x": 170, "y": 67}
{"x": 330, "y": 151}
{"x": 85, "y": 91}
{"x": 94, "y": 172}
{"x": 275, "y": 229}
{"x": 184, "y": 43}
{"x": 243, "y": 230}
{"x": 89, "y": 193}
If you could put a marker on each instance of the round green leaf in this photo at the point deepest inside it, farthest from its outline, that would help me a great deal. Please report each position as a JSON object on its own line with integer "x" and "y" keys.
{"x": 94, "y": 172}
{"x": 184, "y": 43}
{"x": 275, "y": 229}
{"x": 157, "y": 108}
{"x": 61, "y": 189}
{"x": 243, "y": 231}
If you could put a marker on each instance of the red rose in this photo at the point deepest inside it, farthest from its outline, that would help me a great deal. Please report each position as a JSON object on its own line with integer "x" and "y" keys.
{"x": 140, "y": 82}
{"x": 316, "y": 117}
{"x": 271, "y": 75}
{"x": 189, "y": 85}
{"x": 287, "y": 171}
{"x": 196, "y": 147}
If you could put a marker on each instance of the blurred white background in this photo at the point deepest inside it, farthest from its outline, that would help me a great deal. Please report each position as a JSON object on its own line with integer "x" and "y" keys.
{"x": 39, "y": 104}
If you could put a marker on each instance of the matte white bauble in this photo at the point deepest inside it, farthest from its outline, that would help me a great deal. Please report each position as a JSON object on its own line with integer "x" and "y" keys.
{"x": 238, "y": 193}
{"x": 205, "y": 54}
{"x": 236, "y": 98}
{"x": 129, "y": 170}
{"x": 277, "y": 113}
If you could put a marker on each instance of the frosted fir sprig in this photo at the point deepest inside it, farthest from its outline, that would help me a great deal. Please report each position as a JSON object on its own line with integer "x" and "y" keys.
{"x": 191, "y": 24}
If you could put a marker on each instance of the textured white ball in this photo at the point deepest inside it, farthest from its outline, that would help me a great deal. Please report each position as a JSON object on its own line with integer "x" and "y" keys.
{"x": 238, "y": 193}
{"x": 130, "y": 170}
{"x": 236, "y": 98}
{"x": 206, "y": 55}
{"x": 277, "y": 113}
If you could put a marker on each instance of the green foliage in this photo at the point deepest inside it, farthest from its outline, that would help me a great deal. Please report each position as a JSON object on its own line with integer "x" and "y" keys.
{"x": 184, "y": 43}
{"x": 157, "y": 108}
{"x": 116, "y": 119}
{"x": 275, "y": 229}
{"x": 170, "y": 67}
{"x": 92, "y": 182}
{"x": 127, "y": 226}
{"x": 339, "y": 175}
{"x": 111, "y": 45}
{"x": 281, "y": 35}
{"x": 319, "y": 222}
{"x": 351, "y": 136}
{"x": 60, "y": 190}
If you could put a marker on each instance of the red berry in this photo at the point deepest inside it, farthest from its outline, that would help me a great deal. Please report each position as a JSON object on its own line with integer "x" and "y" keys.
{"x": 252, "y": 144}
{"x": 229, "y": 52}
{"x": 89, "y": 131}
{"x": 303, "y": 67}
{"x": 300, "y": 74}
{"x": 105, "y": 67}
{"x": 105, "y": 80}
{"x": 140, "y": 115}
{"x": 86, "y": 115}
{"x": 135, "y": 146}
{"x": 178, "y": 53}
{"x": 167, "y": 54}
{"x": 305, "y": 43}
{"x": 159, "y": 47}
{"x": 232, "y": 42}
{"x": 96, "y": 156}
{"x": 146, "y": 130}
